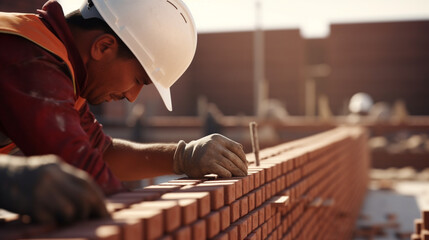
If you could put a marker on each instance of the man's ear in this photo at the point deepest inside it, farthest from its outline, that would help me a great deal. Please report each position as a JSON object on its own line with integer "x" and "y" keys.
{"x": 104, "y": 46}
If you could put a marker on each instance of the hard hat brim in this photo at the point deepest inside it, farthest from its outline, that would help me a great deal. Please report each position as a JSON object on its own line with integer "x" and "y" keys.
{"x": 165, "y": 95}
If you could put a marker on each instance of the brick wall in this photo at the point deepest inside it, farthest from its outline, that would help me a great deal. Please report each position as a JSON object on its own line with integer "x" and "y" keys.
{"x": 306, "y": 189}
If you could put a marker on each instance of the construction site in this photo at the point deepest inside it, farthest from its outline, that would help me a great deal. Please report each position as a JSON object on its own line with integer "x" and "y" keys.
{"x": 335, "y": 129}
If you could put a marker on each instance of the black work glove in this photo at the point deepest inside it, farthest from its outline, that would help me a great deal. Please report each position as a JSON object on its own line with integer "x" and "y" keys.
{"x": 48, "y": 190}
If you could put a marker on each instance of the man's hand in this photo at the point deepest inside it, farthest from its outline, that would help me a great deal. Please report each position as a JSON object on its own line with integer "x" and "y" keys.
{"x": 211, "y": 154}
{"x": 48, "y": 190}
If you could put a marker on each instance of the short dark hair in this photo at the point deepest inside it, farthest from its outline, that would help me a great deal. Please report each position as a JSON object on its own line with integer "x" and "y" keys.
{"x": 75, "y": 18}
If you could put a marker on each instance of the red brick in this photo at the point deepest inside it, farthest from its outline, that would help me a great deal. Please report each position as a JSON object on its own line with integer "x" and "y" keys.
{"x": 244, "y": 205}
{"x": 249, "y": 223}
{"x": 268, "y": 212}
{"x": 217, "y": 199}
{"x": 225, "y": 217}
{"x": 183, "y": 233}
{"x": 123, "y": 200}
{"x": 264, "y": 230}
{"x": 165, "y": 237}
{"x": 232, "y": 232}
{"x": 256, "y": 178}
{"x": 251, "y": 236}
{"x": 255, "y": 219}
{"x": 229, "y": 188}
{"x": 160, "y": 189}
{"x": 252, "y": 200}
{"x": 242, "y": 228}
{"x": 270, "y": 225}
{"x": 190, "y": 207}
{"x": 268, "y": 191}
{"x": 235, "y": 210}
{"x": 258, "y": 197}
{"x": 221, "y": 236}
{"x": 251, "y": 181}
{"x": 212, "y": 224}
{"x": 170, "y": 209}
{"x": 425, "y": 219}
{"x": 199, "y": 230}
{"x": 103, "y": 232}
{"x": 261, "y": 213}
{"x": 152, "y": 221}
{"x": 278, "y": 219}
{"x": 264, "y": 190}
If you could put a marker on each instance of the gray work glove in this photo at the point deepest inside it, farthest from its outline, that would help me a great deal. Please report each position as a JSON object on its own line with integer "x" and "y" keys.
{"x": 211, "y": 154}
{"x": 48, "y": 190}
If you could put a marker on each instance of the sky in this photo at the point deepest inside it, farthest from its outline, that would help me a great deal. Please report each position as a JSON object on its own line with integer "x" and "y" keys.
{"x": 312, "y": 17}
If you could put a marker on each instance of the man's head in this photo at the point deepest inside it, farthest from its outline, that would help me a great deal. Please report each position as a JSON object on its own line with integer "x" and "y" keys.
{"x": 140, "y": 40}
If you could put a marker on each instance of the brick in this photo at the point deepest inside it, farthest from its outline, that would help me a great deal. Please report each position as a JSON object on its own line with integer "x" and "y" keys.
{"x": 199, "y": 230}
{"x": 255, "y": 219}
{"x": 232, "y": 232}
{"x": 152, "y": 221}
{"x": 189, "y": 205}
{"x": 258, "y": 197}
{"x": 212, "y": 224}
{"x": 170, "y": 209}
{"x": 251, "y": 236}
{"x": 217, "y": 199}
{"x": 125, "y": 199}
{"x": 264, "y": 227}
{"x": 251, "y": 181}
{"x": 165, "y": 237}
{"x": 185, "y": 182}
{"x": 268, "y": 191}
{"x": 244, "y": 205}
{"x": 418, "y": 225}
{"x": 130, "y": 229}
{"x": 270, "y": 225}
{"x": 102, "y": 232}
{"x": 252, "y": 203}
{"x": 267, "y": 212}
{"x": 235, "y": 210}
{"x": 225, "y": 217}
{"x": 256, "y": 178}
{"x": 261, "y": 214}
{"x": 249, "y": 223}
{"x": 221, "y": 236}
{"x": 183, "y": 233}
{"x": 425, "y": 219}
{"x": 229, "y": 189}
{"x": 160, "y": 189}
{"x": 242, "y": 228}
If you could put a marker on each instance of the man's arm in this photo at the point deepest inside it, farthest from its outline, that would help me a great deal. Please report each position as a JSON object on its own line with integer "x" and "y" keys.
{"x": 134, "y": 161}
{"x": 211, "y": 154}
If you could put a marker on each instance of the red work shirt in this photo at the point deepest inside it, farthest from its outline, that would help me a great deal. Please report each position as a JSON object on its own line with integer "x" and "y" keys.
{"x": 37, "y": 102}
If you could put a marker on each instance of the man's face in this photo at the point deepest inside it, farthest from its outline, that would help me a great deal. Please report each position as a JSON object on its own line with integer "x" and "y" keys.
{"x": 114, "y": 79}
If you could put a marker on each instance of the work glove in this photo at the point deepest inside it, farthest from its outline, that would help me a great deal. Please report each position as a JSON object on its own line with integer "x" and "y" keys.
{"x": 48, "y": 190}
{"x": 213, "y": 154}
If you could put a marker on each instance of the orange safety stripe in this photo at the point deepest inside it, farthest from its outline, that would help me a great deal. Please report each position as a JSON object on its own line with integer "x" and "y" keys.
{"x": 30, "y": 27}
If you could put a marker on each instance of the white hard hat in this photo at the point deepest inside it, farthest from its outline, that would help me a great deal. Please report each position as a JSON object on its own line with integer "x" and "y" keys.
{"x": 160, "y": 33}
{"x": 360, "y": 103}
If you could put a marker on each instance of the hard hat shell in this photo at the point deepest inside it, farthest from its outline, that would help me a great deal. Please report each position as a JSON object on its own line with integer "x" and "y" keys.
{"x": 360, "y": 103}
{"x": 160, "y": 33}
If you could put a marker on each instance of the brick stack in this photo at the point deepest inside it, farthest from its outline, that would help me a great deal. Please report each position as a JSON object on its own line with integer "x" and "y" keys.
{"x": 307, "y": 189}
{"x": 421, "y": 227}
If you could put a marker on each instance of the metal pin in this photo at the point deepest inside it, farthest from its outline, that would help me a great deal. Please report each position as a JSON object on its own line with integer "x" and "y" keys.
{"x": 255, "y": 141}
